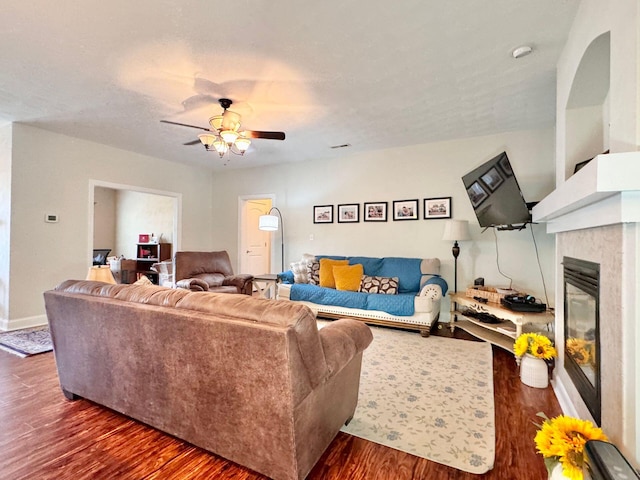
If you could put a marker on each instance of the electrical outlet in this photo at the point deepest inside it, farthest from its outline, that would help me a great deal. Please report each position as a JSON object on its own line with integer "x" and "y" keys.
{"x": 51, "y": 218}
{"x": 311, "y": 237}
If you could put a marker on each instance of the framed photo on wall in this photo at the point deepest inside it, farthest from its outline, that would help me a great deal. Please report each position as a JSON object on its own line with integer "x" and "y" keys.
{"x": 323, "y": 214}
{"x": 375, "y": 212}
{"x": 405, "y": 210}
{"x": 439, "y": 207}
{"x": 349, "y": 213}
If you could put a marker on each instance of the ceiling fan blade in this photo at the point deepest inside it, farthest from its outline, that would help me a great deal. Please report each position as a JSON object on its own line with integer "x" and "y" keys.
{"x": 267, "y": 135}
{"x": 185, "y": 125}
{"x": 192, "y": 142}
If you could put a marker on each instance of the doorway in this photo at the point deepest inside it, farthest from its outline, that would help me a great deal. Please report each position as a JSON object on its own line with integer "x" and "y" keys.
{"x": 254, "y": 244}
{"x": 119, "y": 213}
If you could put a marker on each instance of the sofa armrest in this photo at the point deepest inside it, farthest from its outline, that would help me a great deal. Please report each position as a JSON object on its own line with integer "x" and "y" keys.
{"x": 193, "y": 284}
{"x": 243, "y": 282}
{"x": 428, "y": 299}
{"x": 342, "y": 340}
{"x": 283, "y": 291}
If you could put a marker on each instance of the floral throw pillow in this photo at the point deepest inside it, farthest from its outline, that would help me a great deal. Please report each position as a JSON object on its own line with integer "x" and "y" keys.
{"x": 313, "y": 272}
{"x": 386, "y": 285}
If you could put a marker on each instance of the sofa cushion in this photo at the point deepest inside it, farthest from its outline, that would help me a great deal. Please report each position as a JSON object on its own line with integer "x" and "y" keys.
{"x": 370, "y": 265}
{"x": 406, "y": 269}
{"x": 402, "y": 304}
{"x": 326, "y": 271}
{"x": 384, "y": 285}
{"x": 348, "y": 277}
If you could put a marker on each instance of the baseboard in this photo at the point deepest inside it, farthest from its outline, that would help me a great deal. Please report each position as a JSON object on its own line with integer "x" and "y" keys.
{"x": 20, "y": 323}
{"x": 563, "y": 398}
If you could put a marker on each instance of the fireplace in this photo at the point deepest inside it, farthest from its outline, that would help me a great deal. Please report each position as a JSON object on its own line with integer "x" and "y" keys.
{"x": 582, "y": 330}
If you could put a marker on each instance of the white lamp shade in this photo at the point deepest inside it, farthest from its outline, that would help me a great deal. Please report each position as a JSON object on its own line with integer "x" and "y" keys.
{"x": 207, "y": 139}
{"x": 101, "y": 273}
{"x": 456, "y": 230}
{"x": 243, "y": 144}
{"x": 268, "y": 222}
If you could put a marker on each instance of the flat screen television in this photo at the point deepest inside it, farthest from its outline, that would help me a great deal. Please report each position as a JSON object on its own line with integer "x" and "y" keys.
{"x": 100, "y": 256}
{"x": 495, "y": 195}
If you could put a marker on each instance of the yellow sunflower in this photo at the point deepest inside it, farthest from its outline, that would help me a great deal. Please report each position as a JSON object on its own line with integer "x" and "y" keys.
{"x": 534, "y": 344}
{"x": 563, "y": 438}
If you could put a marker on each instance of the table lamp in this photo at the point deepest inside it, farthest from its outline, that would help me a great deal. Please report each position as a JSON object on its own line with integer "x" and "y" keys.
{"x": 456, "y": 231}
{"x": 101, "y": 273}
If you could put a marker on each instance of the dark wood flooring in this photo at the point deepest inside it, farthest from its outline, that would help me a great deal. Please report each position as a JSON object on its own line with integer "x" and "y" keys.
{"x": 43, "y": 436}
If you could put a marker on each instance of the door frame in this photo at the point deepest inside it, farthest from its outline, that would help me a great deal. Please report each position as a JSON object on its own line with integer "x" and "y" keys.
{"x": 242, "y": 200}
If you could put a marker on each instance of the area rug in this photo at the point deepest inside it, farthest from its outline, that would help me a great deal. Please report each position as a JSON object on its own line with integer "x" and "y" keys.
{"x": 430, "y": 397}
{"x": 27, "y": 342}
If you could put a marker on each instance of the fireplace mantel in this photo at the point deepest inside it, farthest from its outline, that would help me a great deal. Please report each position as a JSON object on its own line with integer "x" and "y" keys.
{"x": 604, "y": 192}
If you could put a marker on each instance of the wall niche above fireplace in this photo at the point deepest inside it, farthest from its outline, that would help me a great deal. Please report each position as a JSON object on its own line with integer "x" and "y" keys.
{"x": 582, "y": 330}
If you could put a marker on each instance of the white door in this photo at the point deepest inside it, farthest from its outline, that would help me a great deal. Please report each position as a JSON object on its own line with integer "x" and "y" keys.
{"x": 255, "y": 253}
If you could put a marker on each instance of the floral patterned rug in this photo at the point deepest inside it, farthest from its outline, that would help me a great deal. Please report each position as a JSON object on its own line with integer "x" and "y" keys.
{"x": 431, "y": 397}
{"x": 27, "y": 342}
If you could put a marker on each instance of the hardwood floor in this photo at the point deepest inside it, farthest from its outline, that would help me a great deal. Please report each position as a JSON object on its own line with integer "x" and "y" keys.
{"x": 44, "y": 436}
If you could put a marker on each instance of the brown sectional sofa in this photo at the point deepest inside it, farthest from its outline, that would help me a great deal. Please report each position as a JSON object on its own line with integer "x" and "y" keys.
{"x": 249, "y": 379}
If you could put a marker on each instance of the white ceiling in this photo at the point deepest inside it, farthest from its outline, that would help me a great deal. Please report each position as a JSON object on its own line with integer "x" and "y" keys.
{"x": 370, "y": 73}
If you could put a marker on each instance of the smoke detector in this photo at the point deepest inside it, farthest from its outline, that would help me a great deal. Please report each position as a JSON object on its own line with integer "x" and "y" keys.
{"x": 522, "y": 51}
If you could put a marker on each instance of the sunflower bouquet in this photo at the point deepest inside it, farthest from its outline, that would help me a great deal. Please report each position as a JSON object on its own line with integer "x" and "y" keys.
{"x": 561, "y": 440}
{"x": 534, "y": 344}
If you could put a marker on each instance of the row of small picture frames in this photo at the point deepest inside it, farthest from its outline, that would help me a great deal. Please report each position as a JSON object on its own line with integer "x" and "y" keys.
{"x": 432, "y": 209}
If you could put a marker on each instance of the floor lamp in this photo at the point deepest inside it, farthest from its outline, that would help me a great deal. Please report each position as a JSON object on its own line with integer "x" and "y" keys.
{"x": 270, "y": 223}
{"x": 456, "y": 231}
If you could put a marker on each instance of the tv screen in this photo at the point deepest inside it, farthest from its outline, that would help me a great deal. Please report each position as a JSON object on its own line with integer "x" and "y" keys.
{"x": 100, "y": 256}
{"x": 495, "y": 194}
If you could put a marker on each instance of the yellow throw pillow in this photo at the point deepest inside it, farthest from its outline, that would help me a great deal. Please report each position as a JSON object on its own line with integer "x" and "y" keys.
{"x": 348, "y": 277}
{"x": 326, "y": 271}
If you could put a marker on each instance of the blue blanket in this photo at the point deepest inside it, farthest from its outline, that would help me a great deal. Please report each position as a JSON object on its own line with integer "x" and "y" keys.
{"x": 401, "y": 305}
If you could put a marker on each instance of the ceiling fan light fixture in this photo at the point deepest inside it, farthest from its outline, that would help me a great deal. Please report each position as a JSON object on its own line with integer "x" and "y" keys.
{"x": 220, "y": 146}
{"x": 229, "y": 136}
{"x": 216, "y": 122}
{"x": 242, "y": 144}
{"x": 207, "y": 139}
{"x": 230, "y": 120}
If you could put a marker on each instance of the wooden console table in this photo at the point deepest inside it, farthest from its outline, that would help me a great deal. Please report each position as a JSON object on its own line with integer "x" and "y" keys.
{"x": 501, "y": 334}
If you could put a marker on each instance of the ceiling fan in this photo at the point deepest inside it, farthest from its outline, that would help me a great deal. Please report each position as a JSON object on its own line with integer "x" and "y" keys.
{"x": 224, "y": 134}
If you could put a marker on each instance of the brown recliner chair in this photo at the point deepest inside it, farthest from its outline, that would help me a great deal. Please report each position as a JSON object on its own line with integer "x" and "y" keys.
{"x": 210, "y": 271}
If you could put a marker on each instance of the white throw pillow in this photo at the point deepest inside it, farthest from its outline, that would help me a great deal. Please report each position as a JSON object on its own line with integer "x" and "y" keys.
{"x": 299, "y": 270}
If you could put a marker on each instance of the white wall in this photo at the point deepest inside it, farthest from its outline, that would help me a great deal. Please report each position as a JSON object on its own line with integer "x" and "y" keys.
{"x": 52, "y": 175}
{"x": 422, "y": 171}
{"x": 138, "y": 213}
{"x": 5, "y": 219}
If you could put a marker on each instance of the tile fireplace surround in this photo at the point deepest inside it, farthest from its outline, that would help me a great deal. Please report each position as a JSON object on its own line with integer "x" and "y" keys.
{"x": 595, "y": 215}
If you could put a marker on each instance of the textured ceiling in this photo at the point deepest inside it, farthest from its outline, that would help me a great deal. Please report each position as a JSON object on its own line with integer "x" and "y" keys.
{"x": 368, "y": 73}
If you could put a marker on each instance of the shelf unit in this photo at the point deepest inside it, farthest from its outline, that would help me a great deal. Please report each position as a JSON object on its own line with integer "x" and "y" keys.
{"x": 501, "y": 334}
{"x": 149, "y": 253}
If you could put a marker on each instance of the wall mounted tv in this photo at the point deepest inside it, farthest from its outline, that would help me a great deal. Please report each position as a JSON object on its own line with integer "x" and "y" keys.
{"x": 496, "y": 196}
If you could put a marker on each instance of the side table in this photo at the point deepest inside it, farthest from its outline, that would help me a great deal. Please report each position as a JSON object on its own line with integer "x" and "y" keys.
{"x": 266, "y": 285}
{"x": 502, "y": 334}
